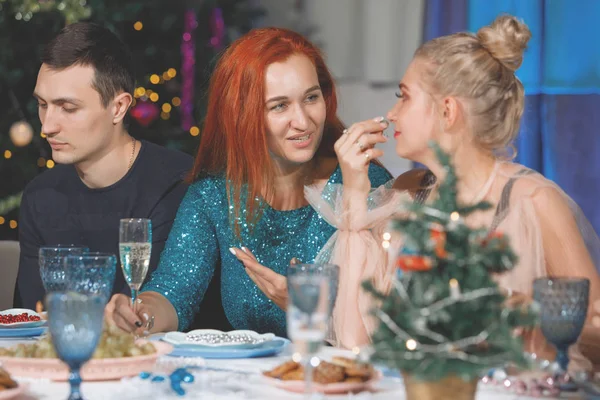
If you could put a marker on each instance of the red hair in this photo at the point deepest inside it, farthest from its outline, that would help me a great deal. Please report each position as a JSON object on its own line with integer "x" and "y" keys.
{"x": 234, "y": 140}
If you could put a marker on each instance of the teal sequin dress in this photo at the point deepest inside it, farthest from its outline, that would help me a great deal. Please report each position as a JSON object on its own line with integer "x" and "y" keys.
{"x": 200, "y": 240}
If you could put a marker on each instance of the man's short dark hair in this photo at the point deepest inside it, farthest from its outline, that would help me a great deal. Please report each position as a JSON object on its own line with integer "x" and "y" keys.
{"x": 89, "y": 44}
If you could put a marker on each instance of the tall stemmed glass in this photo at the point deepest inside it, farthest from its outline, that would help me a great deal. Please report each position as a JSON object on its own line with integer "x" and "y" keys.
{"x": 135, "y": 246}
{"x": 52, "y": 267}
{"x": 75, "y": 324}
{"x": 564, "y": 304}
{"x": 308, "y": 313}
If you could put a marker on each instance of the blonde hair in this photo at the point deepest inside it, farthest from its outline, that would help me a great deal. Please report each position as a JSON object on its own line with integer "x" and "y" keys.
{"x": 480, "y": 69}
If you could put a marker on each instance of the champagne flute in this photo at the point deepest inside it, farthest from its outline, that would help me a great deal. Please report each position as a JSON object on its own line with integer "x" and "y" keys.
{"x": 135, "y": 246}
{"x": 309, "y": 310}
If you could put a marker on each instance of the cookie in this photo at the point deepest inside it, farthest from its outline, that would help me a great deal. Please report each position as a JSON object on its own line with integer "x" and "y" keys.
{"x": 6, "y": 381}
{"x": 354, "y": 379}
{"x": 354, "y": 368}
{"x": 282, "y": 369}
{"x": 294, "y": 375}
{"x": 343, "y": 361}
{"x": 360, "y": 370}
{"x": 328, "y": 373}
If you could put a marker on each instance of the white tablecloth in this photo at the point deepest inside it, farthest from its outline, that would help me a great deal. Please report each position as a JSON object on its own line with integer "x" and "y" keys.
{"x": 224, "y": 380}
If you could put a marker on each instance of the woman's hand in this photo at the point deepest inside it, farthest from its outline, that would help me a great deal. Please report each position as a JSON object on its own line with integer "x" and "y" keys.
{"x": 272, "y": 284}
{"x": 516, "y": 299}
{"x": 355, "y": 149}
{"x": 119, "y": 312}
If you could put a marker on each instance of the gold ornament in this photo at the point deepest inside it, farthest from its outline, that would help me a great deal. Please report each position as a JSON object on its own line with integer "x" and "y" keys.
{"x": 21, "y": 133}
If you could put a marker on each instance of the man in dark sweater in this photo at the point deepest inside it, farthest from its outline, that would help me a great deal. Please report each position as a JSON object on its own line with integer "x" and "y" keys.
{"x": 84, "y": 90}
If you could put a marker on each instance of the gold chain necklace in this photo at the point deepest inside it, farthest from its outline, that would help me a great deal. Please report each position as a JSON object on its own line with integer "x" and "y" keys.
{"x": 132, "y": 152}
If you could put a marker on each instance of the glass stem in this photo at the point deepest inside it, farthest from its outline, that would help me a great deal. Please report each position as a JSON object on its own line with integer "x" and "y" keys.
{"x": 75, "y": 382}
{"x": 308, "y": 378}
{"x": 562, "y": 357}
{"x": 134, "y": 295}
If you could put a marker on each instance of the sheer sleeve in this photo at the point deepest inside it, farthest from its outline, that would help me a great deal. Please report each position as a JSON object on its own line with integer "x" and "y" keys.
{"x": 552, "y": 238}
{"x": 188, "y": 261}
{"x": 356, "y": 247}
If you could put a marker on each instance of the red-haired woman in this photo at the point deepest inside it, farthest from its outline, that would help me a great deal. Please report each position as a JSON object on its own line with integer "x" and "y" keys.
{"x": 269, "y": 131}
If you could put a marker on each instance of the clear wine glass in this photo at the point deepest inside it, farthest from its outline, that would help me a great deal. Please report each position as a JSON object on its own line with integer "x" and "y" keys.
{"x": 135, "y": 246}
{"x": 308, "y": 313}
{"x": 75, "y": 325}
{"x": 564, "y": 304}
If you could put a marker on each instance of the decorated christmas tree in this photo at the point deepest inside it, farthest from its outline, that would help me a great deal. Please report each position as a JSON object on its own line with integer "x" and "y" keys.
{"x": 175, "y": 45}
{"x": 445, "y": 315}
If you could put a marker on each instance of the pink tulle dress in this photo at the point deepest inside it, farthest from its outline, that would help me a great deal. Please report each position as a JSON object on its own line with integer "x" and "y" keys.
{"x": 547, "y": 230}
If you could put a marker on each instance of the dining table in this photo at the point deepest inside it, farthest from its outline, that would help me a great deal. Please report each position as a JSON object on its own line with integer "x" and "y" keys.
{"x": 224, "y": 379}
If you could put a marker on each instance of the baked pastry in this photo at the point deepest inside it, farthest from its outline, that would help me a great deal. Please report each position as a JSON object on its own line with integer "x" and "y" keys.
{"x": 340, "y": 369}
{"x": 6, "y": 382}
{"x": 353, "y": 379}
{"x": 343, "y": 361}
{"x": 327, "y": 373}
{"x": 294, "y": 375}
{"x": 282, "y": 369}
{"x": 354, "y": 368}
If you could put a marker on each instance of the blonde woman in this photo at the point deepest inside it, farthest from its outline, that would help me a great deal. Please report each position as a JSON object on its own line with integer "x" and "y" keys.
{"x": 461, "y": 91}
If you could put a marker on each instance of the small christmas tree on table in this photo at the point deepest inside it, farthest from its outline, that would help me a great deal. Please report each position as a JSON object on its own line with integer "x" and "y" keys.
{"x": 444, "y": 322}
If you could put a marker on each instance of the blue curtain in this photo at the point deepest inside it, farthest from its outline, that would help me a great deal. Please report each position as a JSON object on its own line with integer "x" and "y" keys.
{"x": 560, "y": 134}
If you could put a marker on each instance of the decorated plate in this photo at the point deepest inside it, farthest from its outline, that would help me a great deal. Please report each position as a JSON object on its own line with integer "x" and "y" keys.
{"x": 95, "y": 370}
{"x": 210, "y": 338}
{"x": 270, "y": 348}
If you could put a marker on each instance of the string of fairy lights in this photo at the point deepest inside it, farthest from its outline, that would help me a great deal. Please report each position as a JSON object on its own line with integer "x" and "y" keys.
{"x": 21, "y": 132}
{"x": 451, "y": 349}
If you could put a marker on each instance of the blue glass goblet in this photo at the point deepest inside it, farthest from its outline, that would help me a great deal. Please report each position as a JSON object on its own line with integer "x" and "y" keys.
{"x": 52, "y": 270}
{"x": 91, "y": 273}
{"x": 75, "y": 324}
{"x": 564, "y": 304}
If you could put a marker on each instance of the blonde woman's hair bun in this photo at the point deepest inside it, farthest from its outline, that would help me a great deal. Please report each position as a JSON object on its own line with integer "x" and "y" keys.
{"x": 506, "y": 39}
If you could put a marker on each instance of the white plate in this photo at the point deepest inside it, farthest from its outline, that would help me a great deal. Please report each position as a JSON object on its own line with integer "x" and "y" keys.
{"x": 180, "y": 339}
{"x": 29, "y": 324}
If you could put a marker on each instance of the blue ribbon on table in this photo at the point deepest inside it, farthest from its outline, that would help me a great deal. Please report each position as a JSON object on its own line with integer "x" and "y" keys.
{"x": 176, "y": 378}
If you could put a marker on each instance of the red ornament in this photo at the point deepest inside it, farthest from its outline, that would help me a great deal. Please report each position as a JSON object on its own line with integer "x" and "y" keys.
{"x": 414, "y": 263}
{"x": 144, "y": 112}
{"x": 438, "y": 236}
{"x": 495, "y": 235}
